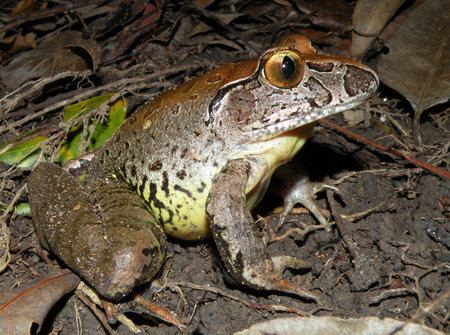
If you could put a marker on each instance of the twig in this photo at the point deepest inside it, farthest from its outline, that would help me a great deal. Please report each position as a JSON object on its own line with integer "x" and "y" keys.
{"x": 161, "y": 312}
{"x": 351, "y": 245}
{"x": 250, "y": 304}
{"x": 302, "y": 232}
{"x": 424, "y": 165}
{"x": 5, "y": 256}
{"x": 100, "y": 316}
{"x": 135, "y": 83}
{"x": 422, "y": 312}
{"x": 11, "y": 100}
{"x": 41, "y": 14}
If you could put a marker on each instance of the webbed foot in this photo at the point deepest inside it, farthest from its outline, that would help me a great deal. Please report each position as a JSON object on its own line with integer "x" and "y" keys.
{"x": 298, "y": 189}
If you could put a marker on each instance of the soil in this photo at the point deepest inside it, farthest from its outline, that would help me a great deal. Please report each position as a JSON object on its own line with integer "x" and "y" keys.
{"x": 390, "y": 262}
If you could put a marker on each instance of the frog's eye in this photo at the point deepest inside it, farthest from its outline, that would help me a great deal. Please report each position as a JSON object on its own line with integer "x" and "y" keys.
{"x": 284, "y": 69}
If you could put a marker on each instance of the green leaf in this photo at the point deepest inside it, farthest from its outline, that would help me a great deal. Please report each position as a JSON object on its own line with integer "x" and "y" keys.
{"x": 23, "y": 209}
{"x": 21, "y": 153}
{"x": 70, "y": 149}
{"x": 101, "y": 132}
{"x": 84, "y": 107}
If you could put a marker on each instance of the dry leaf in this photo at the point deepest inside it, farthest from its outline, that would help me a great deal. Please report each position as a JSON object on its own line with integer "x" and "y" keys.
{"x": 131, "y": 33}
{"x": 329, "y": 325}
{"x": 23, "y": 307}
{"x": 330, "y": 14}
{"x": 67, "y": 51}
{"x": 23, "y": 42}
{"x": 23, "y": 6}
{"x": 369, "y": 19}
{"x": 418, "y": 64}
{"x": 354, "y": 116}
{"x": 203, "y": 3}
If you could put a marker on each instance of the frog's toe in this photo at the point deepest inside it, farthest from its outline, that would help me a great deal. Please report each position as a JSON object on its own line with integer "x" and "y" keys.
{"x": 302, "y": 191}
{"x": 268, "y": 276}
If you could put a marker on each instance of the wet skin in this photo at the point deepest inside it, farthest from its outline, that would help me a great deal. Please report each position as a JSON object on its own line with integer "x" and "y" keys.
{"x": 193, "y": 163}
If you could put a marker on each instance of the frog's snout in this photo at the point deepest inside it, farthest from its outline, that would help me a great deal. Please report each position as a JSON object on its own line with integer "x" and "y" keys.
{"x": 360, "y": 80}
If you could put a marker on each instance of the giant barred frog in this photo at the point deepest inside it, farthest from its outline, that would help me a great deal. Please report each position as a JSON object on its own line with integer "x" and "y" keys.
{"x": 193, "y": 163}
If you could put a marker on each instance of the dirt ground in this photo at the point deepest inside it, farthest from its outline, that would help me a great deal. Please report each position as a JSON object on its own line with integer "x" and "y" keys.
{"x": 388, "y": 258}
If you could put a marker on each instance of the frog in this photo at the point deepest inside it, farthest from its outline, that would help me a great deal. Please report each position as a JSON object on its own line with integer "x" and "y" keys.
{"x": 192, "y": 164}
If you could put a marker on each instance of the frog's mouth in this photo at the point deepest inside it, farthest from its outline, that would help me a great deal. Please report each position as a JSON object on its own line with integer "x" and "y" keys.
{"x": 296, "y": 120}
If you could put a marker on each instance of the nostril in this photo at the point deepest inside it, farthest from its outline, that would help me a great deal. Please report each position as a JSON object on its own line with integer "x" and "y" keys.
{"x": 359, "y": 81}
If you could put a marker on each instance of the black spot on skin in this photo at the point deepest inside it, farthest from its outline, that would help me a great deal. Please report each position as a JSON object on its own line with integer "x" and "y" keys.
{"x": 142, "y": 186}
{"x": 215, "y": 164}
{"x": 181, "y": 174}
{"x": 165, "y": 183}
{"x": 312, "y": 103}
{"x": 133, "y": 170}
{"x": 197, "y": 133}
{"x": 179, "y": 206}
{"x": 183, "y": 153}
{"x": 239, "y": 262}
{"x": 174, "y": 149}
{"x": 170, "y": 219}
{"x": 155, "y": 166}
{"x": 127, "y": 145}
{"x": 181, "y": 189}
{"x": 185, "y": 218}
{"x": 107, "y": 153}
{"x": 320, "y": 67}
{"x": 152, "y": 196}
{"x": 201, "y": 188}
{"x": 146, "y": 251}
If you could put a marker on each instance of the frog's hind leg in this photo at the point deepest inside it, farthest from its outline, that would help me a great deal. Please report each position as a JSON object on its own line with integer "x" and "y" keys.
{"x": 103, "y": 232}
{"x": 242, "y": 250}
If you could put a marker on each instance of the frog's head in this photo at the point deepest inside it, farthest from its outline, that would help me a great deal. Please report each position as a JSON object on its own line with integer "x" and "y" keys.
{"x": 291, "y": 85}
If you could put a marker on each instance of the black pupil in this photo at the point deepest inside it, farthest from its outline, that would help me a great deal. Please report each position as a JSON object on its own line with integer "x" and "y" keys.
{"x": 288, "y": 67}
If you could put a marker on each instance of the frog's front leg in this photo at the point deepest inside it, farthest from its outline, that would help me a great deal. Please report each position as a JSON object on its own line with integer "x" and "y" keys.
{"x": 238, "y": 240}
{"x": 102, "y": 230}
{"x": 298, "y": 189}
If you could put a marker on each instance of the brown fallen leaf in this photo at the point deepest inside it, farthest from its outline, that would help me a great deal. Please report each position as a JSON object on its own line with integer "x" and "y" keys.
{"x": 418, "y": 63}
{"x": 330, "y": 14}
{"x": 66, "y": 51}
{"x": 23, "y": 307}
{"x": 131, "y": 33}
{"x": 203, "y": 3}
{"x": 369, "y": 19}
{"x": 118, "y": 13}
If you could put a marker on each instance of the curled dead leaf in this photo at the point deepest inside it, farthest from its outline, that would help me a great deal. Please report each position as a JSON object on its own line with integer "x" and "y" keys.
{"x": 66, "y": 51}
{"x": 369, "y": 19}
{"x": 418, "y": 63}
{"x": 25, "y": 306}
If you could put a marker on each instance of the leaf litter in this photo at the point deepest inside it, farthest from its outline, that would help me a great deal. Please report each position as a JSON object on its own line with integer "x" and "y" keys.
{"x": 134, "y": 50}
